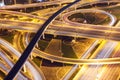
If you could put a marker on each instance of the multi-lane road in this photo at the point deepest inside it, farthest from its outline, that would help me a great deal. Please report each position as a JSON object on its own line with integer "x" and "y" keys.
{"x": 94, "y": 31}
{"x": 24, "y": 6}
{"x": 92, "y": 71}
{"x": 37, "y": 75}
{"x": 55, "y": 28}
{"x": 20, "y": 76}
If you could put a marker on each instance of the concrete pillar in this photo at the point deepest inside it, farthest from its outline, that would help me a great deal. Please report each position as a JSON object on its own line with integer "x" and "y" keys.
{"x": 43, "y": 36}
{"x": 55, "y": 35}
{"x": 15, "y": 2}
{"x": 60, "y": 5}
{"x": 75, "y": 7}
{"x": 52, "y": 61}
{"x": 108, "y": 3}
{"x": 25, "y": 9}
{"x": 79, "y": 66}
{"x": 29, "y": 1}
{"x": 74, "y": 40}
{"x": 37, "y": 45}
{"x": 41, "y": 62}
{"x": 24, "y": 68}
{"x": 31, "y": 56}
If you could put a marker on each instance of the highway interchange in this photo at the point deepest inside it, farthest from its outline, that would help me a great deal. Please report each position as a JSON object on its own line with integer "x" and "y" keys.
{"x": 55, "y": 28}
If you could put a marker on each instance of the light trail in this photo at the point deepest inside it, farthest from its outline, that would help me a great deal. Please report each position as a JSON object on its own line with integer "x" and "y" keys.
{"x": 88, "y": 31}
{"x": 73, "y": 35}
{"x": 37, "y": 75}
{"x": 31, "y": 45}
{"x": 73, "y": 61}
{"x": 106, "y": 61}
{"x": 20, "y": 76}
{"x": 73, "y": 69}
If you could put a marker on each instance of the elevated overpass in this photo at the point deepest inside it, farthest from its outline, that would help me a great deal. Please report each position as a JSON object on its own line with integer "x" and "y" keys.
{"x": 31, "y": 45}
{"x": 79, "y": 29}
{"x": 87, "y": 32}
{"x": 24, "y": 6}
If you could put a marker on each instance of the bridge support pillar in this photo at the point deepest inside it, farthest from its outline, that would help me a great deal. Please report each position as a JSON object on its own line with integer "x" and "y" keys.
{"x": 14, "y": 1}
{"x": 55, "y": 35}
{"x": 41, "y": 62}
{"x": 108, "y": 3}
{"x": 37, "y": 45}
{"x": 44, "y": 6}
{"x": 79, "y": 66}
{"x": 25, "y": 9}
{"x": 29, "y": 1}
{"x": 74, "y": 40}
{"x": 24, "y": 68}
{"x": 61, "y": 17}
{"x": 31, "y": 56}
{"x": 43, "y": 36}
{"x": 52, "y": 61}
{"x": 60, "y": 4}
{"x": 75, "y": 7}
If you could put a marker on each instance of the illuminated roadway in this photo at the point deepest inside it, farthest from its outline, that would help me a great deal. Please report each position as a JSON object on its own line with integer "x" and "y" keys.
{"x": 66, "y": 15}
{"x": 72, "y": 61}
{"x": 79, "y": 31}
{"x": 20, "y": 76}
{"x": 101, "y": 53}
{"x": 20, "y": 6}
{"x": 31, "y": 45}
{"x": 74, "y": 68}
{"x": 111, "y": 72}
{"x": 70, "y": 73}
{"x": 86, "y": 31}
{"x": 90, "y": 70}
{"x": 73, "y": 28}
{"x": 84, "y": 56}
{"x": 37, "y": 75}
{"x": 103, "y": 59}
{"x": 99, "y": 1}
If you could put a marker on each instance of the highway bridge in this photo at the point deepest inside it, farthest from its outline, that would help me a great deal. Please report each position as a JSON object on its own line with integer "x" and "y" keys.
{"x": 79, "y": 29}
{"x": 31, "y": 45}
{"x": 89, "y": 31}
